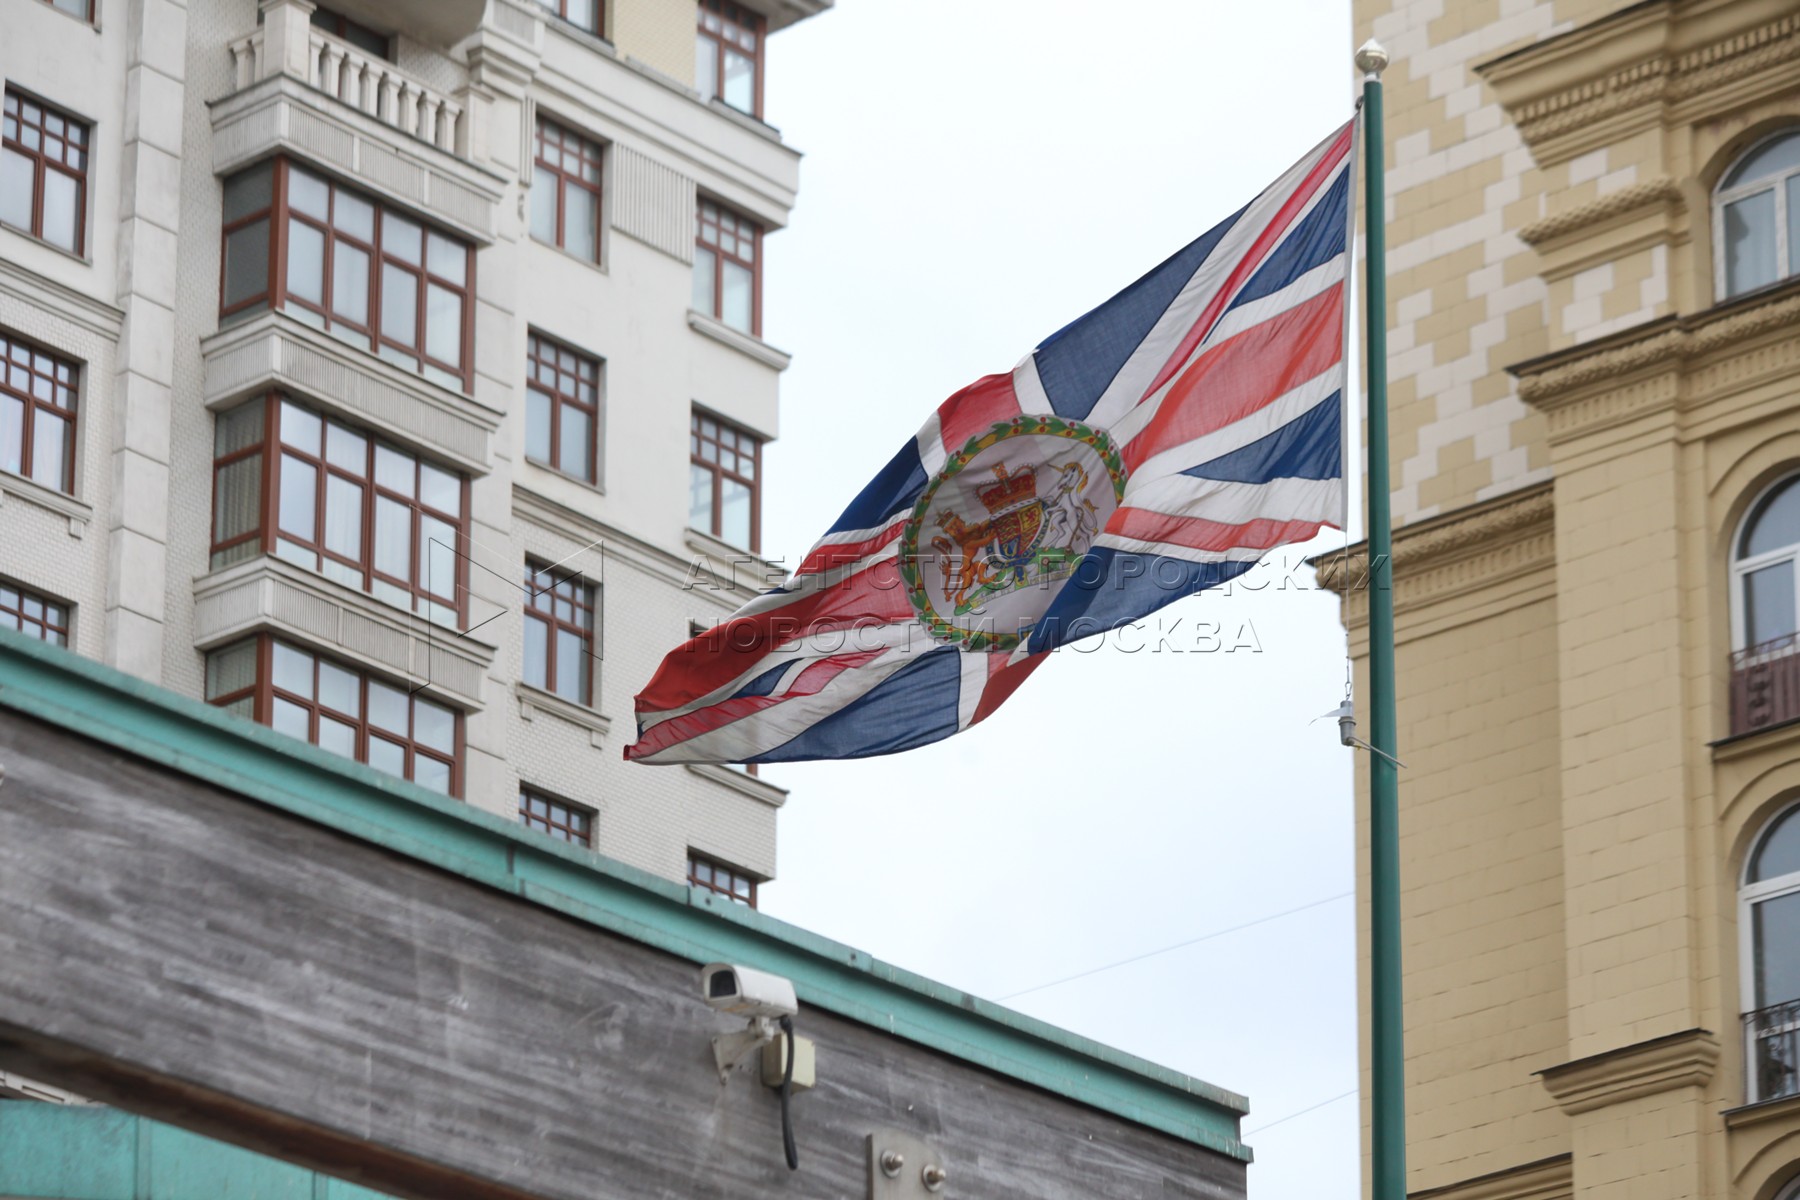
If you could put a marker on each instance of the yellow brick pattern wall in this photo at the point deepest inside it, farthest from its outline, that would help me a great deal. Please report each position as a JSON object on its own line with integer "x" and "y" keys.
{"x": 657, "y": 33}
{"x": 1483, "y": 894}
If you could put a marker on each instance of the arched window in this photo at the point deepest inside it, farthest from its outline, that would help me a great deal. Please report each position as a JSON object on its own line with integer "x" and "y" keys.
{"x": 1766, "y": 569}
{"x": 1769, "y": 917}
{"x": 1756, "y": 216}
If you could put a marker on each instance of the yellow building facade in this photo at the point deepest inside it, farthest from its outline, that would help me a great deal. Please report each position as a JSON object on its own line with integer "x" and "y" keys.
{"x": 1594, "y": 330}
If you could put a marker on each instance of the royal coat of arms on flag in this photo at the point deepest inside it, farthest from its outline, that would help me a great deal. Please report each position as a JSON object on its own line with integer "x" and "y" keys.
{"x": 1156, "y": 447}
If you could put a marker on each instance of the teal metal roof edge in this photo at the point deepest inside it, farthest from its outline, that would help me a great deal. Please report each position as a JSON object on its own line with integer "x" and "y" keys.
{"x": 105, "y": 704}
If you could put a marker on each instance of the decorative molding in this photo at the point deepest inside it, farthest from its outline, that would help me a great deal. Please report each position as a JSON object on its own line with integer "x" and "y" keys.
{"x": 1458, "y": 552}
{"x": 743, "y": 782}
{"x": 743, "y": 343}
{"x": 1662, "y": 1064}
{"x": 1546, "y": 1179}
{"x": 1762, "y": 1111}
{"x": 29, "y": 491}
{"x": 533, "y": 700}
{"x": 274, "y": 351}
{"x": 653, "y": 203}
{"x": 1557, "y": 124}
{"x": 267, "y": 594}
{"x": 1613, "y": 204}
{"x": 1653, "y": 366}
{"x": 558, "y": 518}
{"x": 41, "y": 292}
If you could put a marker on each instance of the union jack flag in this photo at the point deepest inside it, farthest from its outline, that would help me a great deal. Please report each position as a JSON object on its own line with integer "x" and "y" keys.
{"x": 1157, "y": 446}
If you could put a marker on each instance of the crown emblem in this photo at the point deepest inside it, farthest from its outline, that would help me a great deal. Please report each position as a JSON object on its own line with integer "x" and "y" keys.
{"x": 1012, "y": 489}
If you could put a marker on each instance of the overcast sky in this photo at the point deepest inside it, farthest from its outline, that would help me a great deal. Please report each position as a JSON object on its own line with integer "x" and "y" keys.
{"x": 977, "y": 173}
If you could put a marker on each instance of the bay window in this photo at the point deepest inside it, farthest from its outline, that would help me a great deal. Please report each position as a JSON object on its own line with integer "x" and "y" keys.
{"x": 327, "y": 496}
{"x": 339, "y": 708}
{"x": 345, "y": 263}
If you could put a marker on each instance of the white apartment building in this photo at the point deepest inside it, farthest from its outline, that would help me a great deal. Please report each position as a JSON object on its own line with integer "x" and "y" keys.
{"x": 379, "y": 371}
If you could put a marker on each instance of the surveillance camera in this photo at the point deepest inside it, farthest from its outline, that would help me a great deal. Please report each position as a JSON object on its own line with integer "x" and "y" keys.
{"x": 757, "y": 995}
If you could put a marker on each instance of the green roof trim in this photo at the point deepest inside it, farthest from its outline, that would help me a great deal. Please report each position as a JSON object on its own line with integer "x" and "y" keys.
{"x": 60, "y": 1151}
{"x": 109, "y": 706}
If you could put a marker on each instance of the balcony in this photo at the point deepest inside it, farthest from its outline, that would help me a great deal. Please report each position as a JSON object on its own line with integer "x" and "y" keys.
{"x": 1765, "y": 685}
{"x": 370, "y": 85}
{"x": 301, "y": 91}
{"x": 1772, "y": 1046}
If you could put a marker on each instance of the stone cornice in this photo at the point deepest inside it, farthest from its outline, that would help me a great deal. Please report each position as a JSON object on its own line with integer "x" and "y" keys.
{"x": 1456, "y": 552}
{"x": 1546, "y": 1179}
{"x": 1662, "y": 1064}
{"x": 1613, "y": 204}
{"x": 1565, "y": 92}
{"x": 1643, "y": 370}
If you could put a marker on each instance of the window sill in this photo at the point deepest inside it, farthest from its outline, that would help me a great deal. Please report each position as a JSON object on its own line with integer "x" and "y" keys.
{"x": 31, "y": 492}
{"x": 564, "y": 252}
{"x": 583, "y": 37}
{"x": 760, "y": 573}
{"x": 533, "y": 700}
{"x": 743, "y": 343}
{"x": 1783, "y": 736}
{"x": 35, "y": 240}
{"x": 562, "y": 477}
{"x": 741, "y": 781}
{"x": 1758, "y": 1111}
{"x": 750, "y": 121}
{"x": 266, "y": 593}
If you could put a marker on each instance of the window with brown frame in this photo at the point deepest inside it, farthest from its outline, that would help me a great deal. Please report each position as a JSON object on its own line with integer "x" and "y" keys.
{"x": 369, "y": 41}
{"x": 37, "y": 414}
{"x": 339, "y": 708}
{"x": 585, "y": 15}
{"x": 81, "y": 10}
{"x": 724, "y": 498}
{"x": 332, "y": 498}
{"x": 728, "y": 55}
{"x": 727, "y": 280}
{"x": 715, "y": 876}
{"x": 44, "y": 172}
{"x": 559, "y": 632}
{"x": 33, "y": 615}
{"x": 346, "y": 263}
{"x": 561, "y": 820}
{"x": 562, "y": 408}
{"x": 565, "y": 190}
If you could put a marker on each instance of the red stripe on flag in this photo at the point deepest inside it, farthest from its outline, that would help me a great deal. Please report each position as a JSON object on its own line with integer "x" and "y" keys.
{"x": 704, "y": 664}
{"x": 973, "y": 410}
{"x": 1003, "y": 680}
{"x": 1245, "y": 373}
{"x": 1197, "y": 533}
{"x": 1253, "y": 257}
{"x": 809, "y": 682}
{"x": 843, "y": 554}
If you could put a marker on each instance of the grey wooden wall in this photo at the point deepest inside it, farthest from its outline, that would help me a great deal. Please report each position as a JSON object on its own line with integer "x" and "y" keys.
{"x": 196, "y": 957}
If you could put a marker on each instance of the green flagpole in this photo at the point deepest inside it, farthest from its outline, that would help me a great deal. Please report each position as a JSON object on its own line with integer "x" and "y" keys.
{"x": 1388, "y": 1053}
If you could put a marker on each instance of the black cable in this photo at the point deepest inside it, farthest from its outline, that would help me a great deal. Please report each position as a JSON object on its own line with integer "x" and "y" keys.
{"x": 787, "y": 1090}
